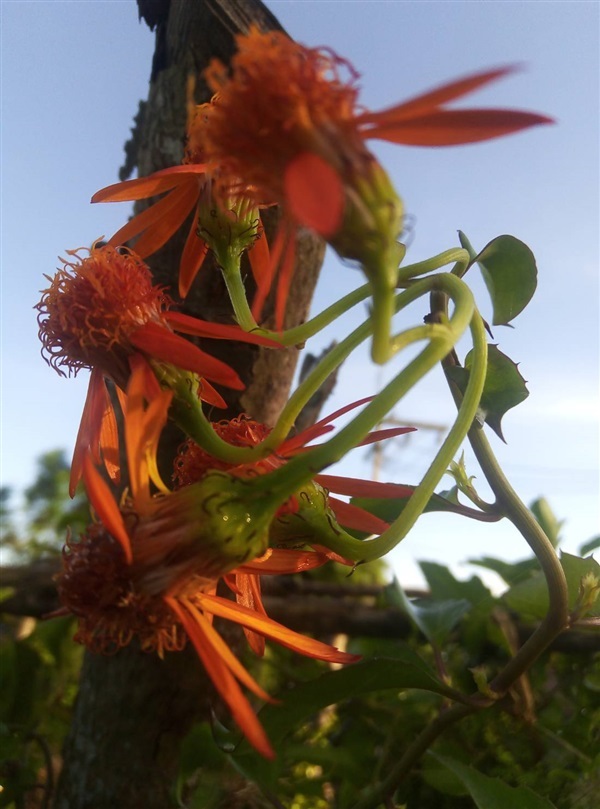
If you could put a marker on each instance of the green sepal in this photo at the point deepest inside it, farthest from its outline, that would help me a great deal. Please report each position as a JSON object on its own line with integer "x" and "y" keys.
{"x": 504, "y": 387}
{"x": 510, "y": 274}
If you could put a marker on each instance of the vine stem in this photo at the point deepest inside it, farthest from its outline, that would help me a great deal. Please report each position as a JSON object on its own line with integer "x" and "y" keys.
{"x": 374, "y": 795}
{"x": 555, "y": 620}
{"x": 300, "y": 470}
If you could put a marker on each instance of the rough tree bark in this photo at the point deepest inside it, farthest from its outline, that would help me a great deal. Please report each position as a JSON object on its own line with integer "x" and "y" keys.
{"x": 133, "y": 709}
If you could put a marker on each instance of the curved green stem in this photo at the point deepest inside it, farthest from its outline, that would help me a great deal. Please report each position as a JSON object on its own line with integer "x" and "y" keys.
{"x": 300, "y": 470}
{"x": 383, "y": 346}
{"x": 454, "y": 254}
{"x": 511, "y": 506}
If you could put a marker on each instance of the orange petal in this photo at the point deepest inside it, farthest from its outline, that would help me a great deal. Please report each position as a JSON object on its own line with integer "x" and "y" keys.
{"x": 150, "y": 186}
{"x": 88, "y": 435}
{"x": 187, "y": 324}
{"x": 314, "y": 193}
{"x": 274, "y": 260}
{"x": 175, "y": 208}
{"x": 105, "y": 506}
{"x": 192, "y": 258}
{"x": 455, "y": 127}
{"x": 433, "y": 99}
{"x": 109, "y": 442}
{"x": 249, "y": 595}
{"x": 354, "y": 517}
{"x": 271, "y": 629}
{"x": 225, "y": 653}
{"x": 355, "y": 487}
{"x": 162, "y": 344}
{"x": 382, "y": 435}
{"x": 283, "y": 561}
{"x": 260, "y": 264}
{"x": 224, "y": 682}
{"x": 284, "y": 281}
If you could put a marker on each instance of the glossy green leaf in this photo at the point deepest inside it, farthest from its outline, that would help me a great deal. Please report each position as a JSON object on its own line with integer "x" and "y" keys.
{"x": 510, "y": 273}
{"x": 492, "y": 793}
{"x": 504, "y": 387}
{"x": 530, "y": 598}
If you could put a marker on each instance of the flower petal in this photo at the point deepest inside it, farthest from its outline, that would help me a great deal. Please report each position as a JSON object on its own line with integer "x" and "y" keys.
{"x": 162, "y": 344}
{"x": 433, "y": 99}
{"x": 174, "y": 210}
{"x": 271, "y": 629}
{"x": 90, "y": 427}
{"x": 455, "y": 127}
{"x": 260, "y": 264}
{"x": 150, "y": 186}
{"x": 187, "y": 324}
{"x": 355, "y": 487}
{"x": 224, "y": 682}
{"x": 105, "y": 506}
{"x": 192, "y": 258}
{"x": 283, "y": 561}
{"x": 314, "y": 193}
{"x": 352, "y": 516}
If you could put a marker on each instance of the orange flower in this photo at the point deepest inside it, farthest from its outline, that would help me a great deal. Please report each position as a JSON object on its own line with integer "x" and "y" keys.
{"x": 228, "y": 224}
{"x": 103, "y": 312}
{"x": 193, "y": 463}
{"x": 287, "y": 122}
{"x": 151, "y": 571}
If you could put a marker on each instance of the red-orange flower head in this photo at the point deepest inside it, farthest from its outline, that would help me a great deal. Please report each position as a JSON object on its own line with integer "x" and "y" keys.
{"x": 311, "y": 514}
{"x": 284, "y": 120}
{"x": 103, "y": 312}
{"x": 92, "y": 307}
{"x": 96, "y": 586}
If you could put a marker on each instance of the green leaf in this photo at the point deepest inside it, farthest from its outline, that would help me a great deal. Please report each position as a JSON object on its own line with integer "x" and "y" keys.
{"x": 444, "y": 585}
{"x": 504, "y": 386}
{"x": 510, "y": 273}
{"x": 541, "y": 510}
{"x": 511, "y": 572}
{"x": 492, "y": 793}
{"x": 435, "y": 619}
{"x": 406, "y": 670}
{"x": 530, "y": 597}
{"x": 590, "y": 546}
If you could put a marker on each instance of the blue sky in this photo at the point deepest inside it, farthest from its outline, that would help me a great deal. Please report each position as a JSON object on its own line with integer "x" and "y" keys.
{"x": 72, "y": 75}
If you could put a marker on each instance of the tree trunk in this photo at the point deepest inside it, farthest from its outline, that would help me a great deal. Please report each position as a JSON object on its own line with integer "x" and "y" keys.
{"x": 134, "y": 710}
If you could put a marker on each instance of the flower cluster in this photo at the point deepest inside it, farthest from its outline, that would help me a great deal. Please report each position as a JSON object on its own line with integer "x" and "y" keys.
{"x": 245, "y": 499}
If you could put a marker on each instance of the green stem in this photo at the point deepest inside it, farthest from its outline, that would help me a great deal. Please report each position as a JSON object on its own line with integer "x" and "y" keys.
{"x": 330, "y": 362}
{"x": 557, "y": 617}
{"x": 511, "y": 506}
{"x": 230, "y": 268}
{"x": 374, "y": 795}
{"x": 383, "y": 346}
{"x": 300, "y": 470}
{"x": 454, "y": 254}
